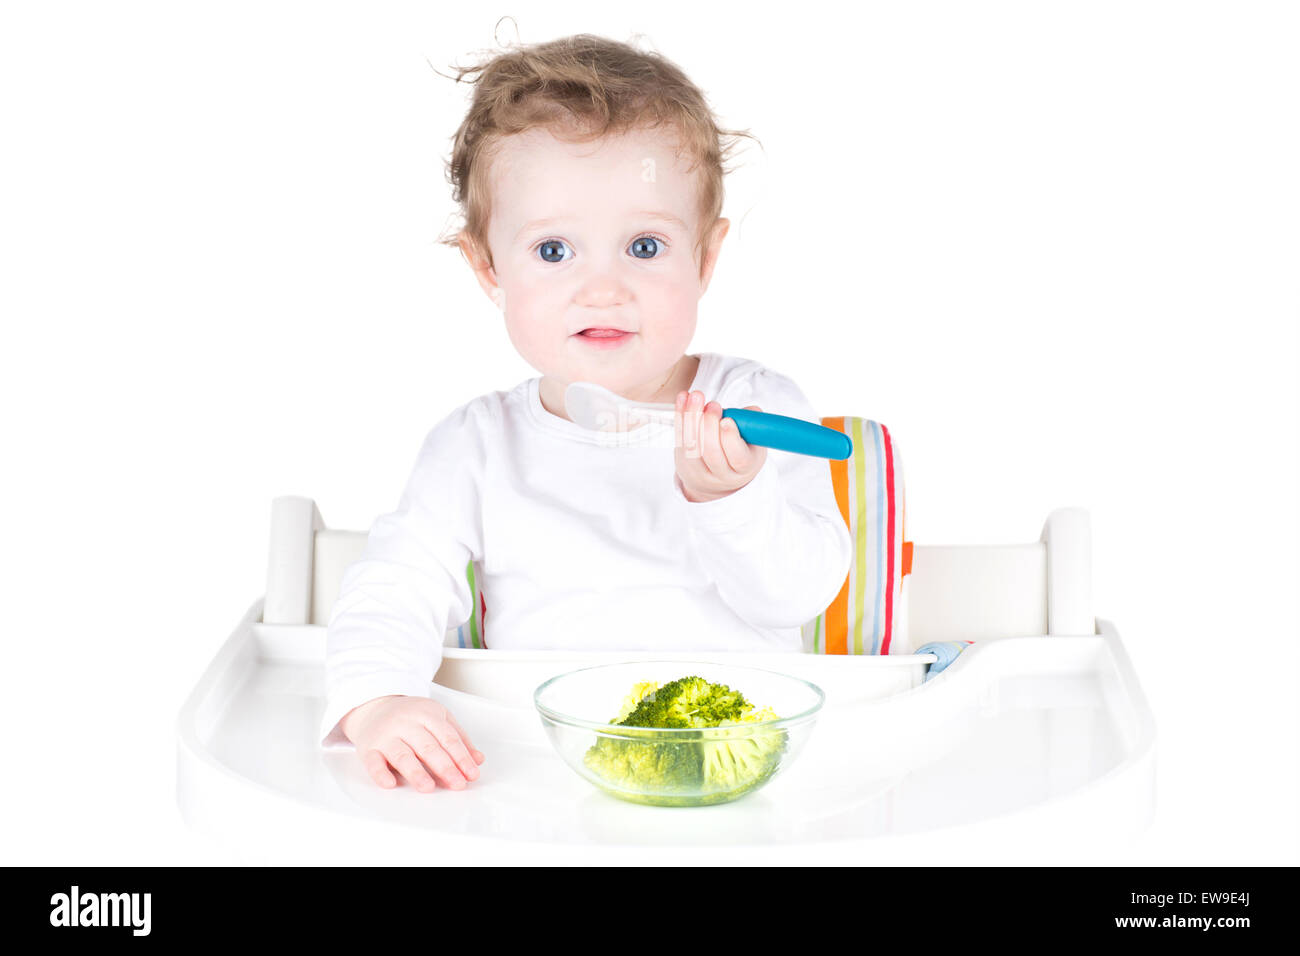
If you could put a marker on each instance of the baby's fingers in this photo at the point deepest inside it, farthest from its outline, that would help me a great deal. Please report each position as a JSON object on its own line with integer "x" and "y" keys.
{"x": 377, "y": 767}
{"x": 404, "y": 760}
{"x": 741, "y": 455}
{"x": 469, "y": 744}
{"x": 715, "y": 460}
{"x": 456, "y": 745}
{"x": 686, "y": 423}
{"x": 445, "y": 769}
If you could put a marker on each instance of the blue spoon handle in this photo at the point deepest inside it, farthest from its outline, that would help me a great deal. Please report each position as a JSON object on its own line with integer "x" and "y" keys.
{"x": 790, "y": 434}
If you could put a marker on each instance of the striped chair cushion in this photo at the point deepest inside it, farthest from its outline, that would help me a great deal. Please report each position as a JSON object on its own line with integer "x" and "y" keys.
{"x": 471, "y": 633}
{"x": 869, "y": 614}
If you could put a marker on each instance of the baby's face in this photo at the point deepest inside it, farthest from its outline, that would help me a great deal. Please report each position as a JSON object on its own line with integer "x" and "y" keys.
{"x": 597, "y": 236}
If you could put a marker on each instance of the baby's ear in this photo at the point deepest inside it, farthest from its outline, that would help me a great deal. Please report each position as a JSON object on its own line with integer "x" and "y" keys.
{"x": 709, "y": 258}
{"x": 470, "y": 250}
{"x": 483, "y": 269}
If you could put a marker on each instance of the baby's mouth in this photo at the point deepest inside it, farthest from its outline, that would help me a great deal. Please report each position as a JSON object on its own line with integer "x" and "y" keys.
{"x": 603, "y": 333}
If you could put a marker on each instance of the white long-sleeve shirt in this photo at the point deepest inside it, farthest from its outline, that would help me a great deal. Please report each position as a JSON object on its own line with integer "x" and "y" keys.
{"x": 584, "y": 540}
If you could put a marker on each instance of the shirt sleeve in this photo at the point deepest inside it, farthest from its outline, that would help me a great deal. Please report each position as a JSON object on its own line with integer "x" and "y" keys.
{"x": 397, "y": 600}
{"x": 777, "y": 549}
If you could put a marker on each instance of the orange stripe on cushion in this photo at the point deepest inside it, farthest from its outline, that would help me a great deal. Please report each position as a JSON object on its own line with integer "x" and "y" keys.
{"x": 837, "y": 615}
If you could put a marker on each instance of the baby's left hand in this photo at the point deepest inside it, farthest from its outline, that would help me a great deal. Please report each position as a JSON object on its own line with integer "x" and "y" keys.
{"x": 712, "y": 459}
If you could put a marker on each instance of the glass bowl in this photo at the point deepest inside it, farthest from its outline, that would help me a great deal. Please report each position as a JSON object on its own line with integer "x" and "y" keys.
{"x": 671, "y": 767}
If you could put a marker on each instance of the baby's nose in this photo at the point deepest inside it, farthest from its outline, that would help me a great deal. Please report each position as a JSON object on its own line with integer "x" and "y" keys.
{"x": 602, "y": 292}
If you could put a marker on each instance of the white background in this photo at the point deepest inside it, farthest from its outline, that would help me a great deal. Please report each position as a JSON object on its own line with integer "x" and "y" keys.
{"x": 1053, "y": 245}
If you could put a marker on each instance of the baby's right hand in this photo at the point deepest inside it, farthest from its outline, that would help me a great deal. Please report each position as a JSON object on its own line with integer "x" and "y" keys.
{"x": 414, "y": 736}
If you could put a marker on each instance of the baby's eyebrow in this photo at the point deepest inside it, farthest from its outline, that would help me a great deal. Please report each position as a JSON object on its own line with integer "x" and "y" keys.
{"x": 643, "y": 214}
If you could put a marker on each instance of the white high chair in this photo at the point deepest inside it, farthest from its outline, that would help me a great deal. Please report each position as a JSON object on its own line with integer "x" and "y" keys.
{"x": 1035, "y": 743}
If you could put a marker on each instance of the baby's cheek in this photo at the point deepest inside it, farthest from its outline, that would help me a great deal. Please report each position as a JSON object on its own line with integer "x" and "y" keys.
{"x": 676, "y": 325}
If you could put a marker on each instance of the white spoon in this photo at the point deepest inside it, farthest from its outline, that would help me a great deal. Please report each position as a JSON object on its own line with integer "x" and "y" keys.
{"x": 596, "y": 407}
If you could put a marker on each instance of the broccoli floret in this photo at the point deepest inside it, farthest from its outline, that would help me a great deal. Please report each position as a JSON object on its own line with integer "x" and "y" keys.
{"x": 666, "y": 768}
{"x": 692, "y": 768}
{"x": 740, "y": 761}
{"x": 633, "y": 698}
{"x": 687, "y": 702}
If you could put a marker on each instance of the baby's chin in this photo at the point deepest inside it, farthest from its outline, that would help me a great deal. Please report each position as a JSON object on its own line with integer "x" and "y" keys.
{"x": 631, "y": 362}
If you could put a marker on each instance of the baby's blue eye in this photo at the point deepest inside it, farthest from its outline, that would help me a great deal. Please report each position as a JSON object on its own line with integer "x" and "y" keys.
{"x": 552, "y": 250}
{"x": 646, "y": 247}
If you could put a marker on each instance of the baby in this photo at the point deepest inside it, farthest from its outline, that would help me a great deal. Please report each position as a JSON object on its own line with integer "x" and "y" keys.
{"x": 590, "y": 177}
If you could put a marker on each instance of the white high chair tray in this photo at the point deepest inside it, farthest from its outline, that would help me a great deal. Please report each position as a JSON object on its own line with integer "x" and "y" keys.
{"x": 1024, "y": 745}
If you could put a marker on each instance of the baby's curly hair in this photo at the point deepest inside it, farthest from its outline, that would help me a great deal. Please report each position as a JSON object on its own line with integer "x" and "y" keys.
{"x": 581, "y": 88}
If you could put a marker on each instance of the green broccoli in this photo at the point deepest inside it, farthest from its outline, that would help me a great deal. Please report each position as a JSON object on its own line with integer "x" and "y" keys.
{"x": 670, "y": 769}
{"x": 740, "y": 761}
{"x": 693, "y": 767}
{"x": 687, "y": 702}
